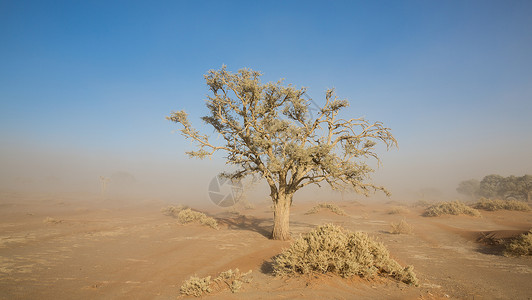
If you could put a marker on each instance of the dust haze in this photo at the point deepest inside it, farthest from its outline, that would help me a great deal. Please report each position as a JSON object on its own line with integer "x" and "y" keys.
{"x": 408, "y": 175}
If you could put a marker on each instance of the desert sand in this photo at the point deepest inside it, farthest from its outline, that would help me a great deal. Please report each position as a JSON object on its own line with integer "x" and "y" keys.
{"x": 58, "y": 248}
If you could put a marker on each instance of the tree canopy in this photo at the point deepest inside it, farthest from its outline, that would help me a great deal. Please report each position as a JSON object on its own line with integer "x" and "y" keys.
{"x": 268, "y": 131}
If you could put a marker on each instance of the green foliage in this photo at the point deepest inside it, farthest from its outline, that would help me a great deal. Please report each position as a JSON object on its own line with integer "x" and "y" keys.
{"x": 469, "y": 187}
{"x": 450, "y": 208}
{"x": 497, "y": 186}
{"x": 520, "y": 246}
{"x": 401, "y": 228}
{"x": 332, "y": 207}
{"x": 330, "y": 248}
{"x": 196, "y": 286}
{"x": 188, "y": 216}
{"x": 493, "y": 205}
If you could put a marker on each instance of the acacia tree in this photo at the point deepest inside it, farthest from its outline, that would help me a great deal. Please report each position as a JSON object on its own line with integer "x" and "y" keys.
{"x": 269, "y": 132}
{"x": 469, "y": 187}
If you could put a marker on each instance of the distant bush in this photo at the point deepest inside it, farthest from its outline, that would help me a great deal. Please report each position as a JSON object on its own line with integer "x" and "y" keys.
{"x": 401, "y": 228}
{"x": 520, "y": 246}
{"x": 173, "y": 211}
{"x": 197, "y": 287}
{"x": 493, "y": 205}
{"x": 330, "y": 248}
{"x": 332, "y": 207}
{"x": 188, "y": 216}
{"x": 421, "y": 203}
{"x": 398, "y": 210}
{"x": 50, "y": 220}
{"x": 450, "y": 208}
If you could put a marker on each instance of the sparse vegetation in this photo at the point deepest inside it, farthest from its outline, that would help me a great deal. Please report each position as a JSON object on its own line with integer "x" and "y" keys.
{"x": 188, "y": 216}
{"x": 520, "y": 246}
{"x": 332, "y": 207}
{"x": 401, "y": 228}
{"x": 50, "y": 220}
{"x": 330, "y": 248}
{"x": 450, "y": 208}
{"x": 493, "y": 205}
{"x": 173, "y": 211}
{"x": 233, "y": 279}
{"x": 421, "y": 203}
{"x": 197, "y": 287}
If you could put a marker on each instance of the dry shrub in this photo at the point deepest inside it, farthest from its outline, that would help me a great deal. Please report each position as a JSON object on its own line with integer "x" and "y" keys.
{"x": 197, "y": 287}
{"x": 50, "y": 220}
{"x": 493, "y": 205}
{"x": 401, "y": 228}
{"x": 233, "y": 279}
{"x": 332, "y": 207}
{"x": 330, "y": 248}
{"x": 173, "y": 211}
{"x": 398, "y": 210}
{"x": 520, "y": 246}
{"x": 188, "y": 216}
{"x": 421, "y": 203}
{"x": 450, "y": 208}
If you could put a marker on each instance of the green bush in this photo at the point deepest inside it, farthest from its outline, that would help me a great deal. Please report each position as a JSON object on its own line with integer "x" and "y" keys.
{"x": 450, "y": 208}
{"x": 330, "y": 248}
{"x": 332, "y": 207}
{"x": 493, "y": 205}
{"x": 188, "y": 216}
{"x": 520, "y": 246}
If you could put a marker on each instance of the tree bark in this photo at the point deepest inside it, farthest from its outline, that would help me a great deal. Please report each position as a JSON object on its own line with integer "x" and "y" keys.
{"x": 281, "y": 218}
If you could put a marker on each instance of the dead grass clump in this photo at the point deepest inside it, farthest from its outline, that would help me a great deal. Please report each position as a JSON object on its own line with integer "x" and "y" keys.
{"x": 188, "y": 216}
{"x": 197, "y": 287}
{"x": 401, "y": 228}
{"x": 520, "y": 246}
{"x": 450, "y": 208}
{"x": 332, "y": 207}
{"x": 330, "y": 248}
{"x": 173, "y": 211}
{"x": 50, "y": 220}
{"x": 398, "y": 210}
{"x": 493, "y": 205}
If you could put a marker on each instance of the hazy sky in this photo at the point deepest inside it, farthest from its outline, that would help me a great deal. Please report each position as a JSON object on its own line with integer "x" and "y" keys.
{"x": 85, "y": 85}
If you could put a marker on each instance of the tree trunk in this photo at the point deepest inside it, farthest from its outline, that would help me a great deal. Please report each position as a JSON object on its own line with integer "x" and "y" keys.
{"x": 281, "y": 218}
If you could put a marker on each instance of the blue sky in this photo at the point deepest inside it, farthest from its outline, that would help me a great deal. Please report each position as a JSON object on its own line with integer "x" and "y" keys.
{"x": 87, "y": 84}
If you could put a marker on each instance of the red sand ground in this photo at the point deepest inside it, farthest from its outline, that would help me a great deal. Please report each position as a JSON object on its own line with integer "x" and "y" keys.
{"x": 103, "y": 250}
